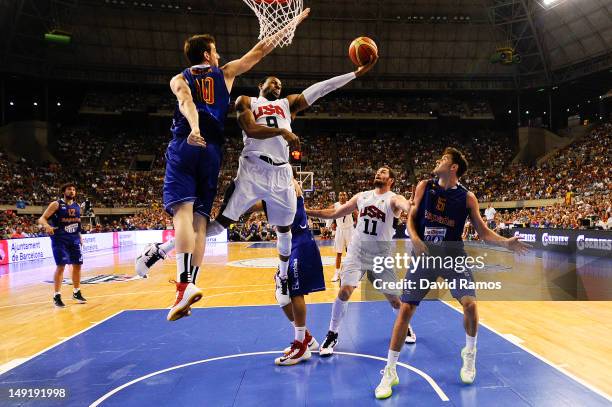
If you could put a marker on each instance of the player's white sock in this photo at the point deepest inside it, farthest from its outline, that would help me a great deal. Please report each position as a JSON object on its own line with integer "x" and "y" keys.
{"x": 183, "y": 267}
{"x": 338, "y": 311}
{"x": 392, "y": 357}
{"x": 76, "y": 290}
{"x": 395, "y": 310}
{"x": 300, "y": 333}
{"x": 283, "y": 244}
{"x": 168, "y": 246}
{"x": 337, "y": 271}
{"x": 194, "y": 273}
{"x": 58, "y": 293}
{"x": 283, "y": 266}
{"x": 470, "y": 342}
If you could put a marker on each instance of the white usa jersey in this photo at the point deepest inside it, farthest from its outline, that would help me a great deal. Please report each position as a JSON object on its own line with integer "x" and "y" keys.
{"x": 344, "y": 222}
{"x": 375, "y": 222}
{"x": 269, "y": 113}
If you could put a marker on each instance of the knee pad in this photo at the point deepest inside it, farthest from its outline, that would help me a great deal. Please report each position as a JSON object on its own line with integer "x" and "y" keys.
{"x": 283, "y": 243}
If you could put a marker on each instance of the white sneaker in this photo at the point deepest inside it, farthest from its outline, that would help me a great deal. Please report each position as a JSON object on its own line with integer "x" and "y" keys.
{"x": 411, "y": 337}
{"x": 282, "y": 290}
{"x": 385, "y": 388}
{"x": 297, "y": 353}
{"x": 186, "y": 295}
{"x": 327, "y": 348}
{"x": 335, "y": 278}
{"x": 468, "y": 370}
{"x": 147, "y": 259}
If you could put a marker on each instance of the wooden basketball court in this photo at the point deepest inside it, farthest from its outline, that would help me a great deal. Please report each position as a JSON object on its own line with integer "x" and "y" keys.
{"x": 572, "y": 335}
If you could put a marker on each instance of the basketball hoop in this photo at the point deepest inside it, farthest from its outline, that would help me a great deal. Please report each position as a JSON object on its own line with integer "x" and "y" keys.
{"x": 276, "y": 16}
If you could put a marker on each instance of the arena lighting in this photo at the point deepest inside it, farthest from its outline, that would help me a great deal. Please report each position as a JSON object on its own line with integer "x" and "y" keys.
{"x": 526, "y": 111}
{"x": 509, "y": 111}
{"x": 11, "y": 103}
{"x": 548, "y": 4}
{"x": 59, "y": 104}
{"x": 567, "y": 110}
{"x": 35, "y": 103}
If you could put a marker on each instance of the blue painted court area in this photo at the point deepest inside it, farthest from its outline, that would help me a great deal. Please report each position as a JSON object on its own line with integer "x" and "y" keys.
{"x": 221, "y": 357}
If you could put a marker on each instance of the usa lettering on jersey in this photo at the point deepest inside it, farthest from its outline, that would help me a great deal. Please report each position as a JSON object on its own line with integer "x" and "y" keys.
{"x": 269, "y": 110}
{"x": 373, "y": 212}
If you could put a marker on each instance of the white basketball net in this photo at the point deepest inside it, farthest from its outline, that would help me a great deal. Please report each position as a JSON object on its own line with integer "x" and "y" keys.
{"x": 276, "y": 19}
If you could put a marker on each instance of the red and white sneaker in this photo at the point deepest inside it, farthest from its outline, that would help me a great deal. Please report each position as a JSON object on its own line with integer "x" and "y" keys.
{"x": 297, "y": 352}
{"x": 312, "y": 343}
{"x": 186, "y": 295}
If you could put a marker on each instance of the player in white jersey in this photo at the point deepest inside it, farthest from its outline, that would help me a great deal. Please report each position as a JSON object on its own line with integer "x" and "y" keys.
{"x": 344, "y": 231}
{"x": 264, "y": 172}
{"x": 372, "y": 238}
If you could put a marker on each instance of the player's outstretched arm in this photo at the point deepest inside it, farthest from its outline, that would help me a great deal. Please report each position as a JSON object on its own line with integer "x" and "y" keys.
{"x": 487, "y": 234}
{"x": 400, "y": 203}
{"x": 239, "y": 66}
{"x": 180, "y": 88}
{"x": 332, "y": 213}
{"x": 247, "y": 122}
{"x": 318, "y": 90}
{"x": 43, "y": 221}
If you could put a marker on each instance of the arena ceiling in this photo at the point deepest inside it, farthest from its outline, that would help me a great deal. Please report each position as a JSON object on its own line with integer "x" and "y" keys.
{"x": 424, "y": 44}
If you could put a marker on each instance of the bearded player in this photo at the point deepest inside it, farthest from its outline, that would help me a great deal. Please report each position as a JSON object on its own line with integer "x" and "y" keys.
{"x": 435, "y": 224}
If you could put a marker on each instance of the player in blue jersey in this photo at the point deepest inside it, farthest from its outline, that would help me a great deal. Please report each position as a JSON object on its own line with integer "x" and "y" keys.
{"x": 305, "y": 275}
{"x": 435, "y": 225}
{"x": 193, "y": 157}
{"x": 62, "y": 221}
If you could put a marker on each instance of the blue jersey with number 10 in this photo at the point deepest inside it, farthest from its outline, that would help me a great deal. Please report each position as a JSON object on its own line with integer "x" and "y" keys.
{"x": 211, "y": 98}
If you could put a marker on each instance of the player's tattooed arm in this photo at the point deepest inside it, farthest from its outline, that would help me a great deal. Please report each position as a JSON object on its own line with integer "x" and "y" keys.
{"x": 247, "y": 122}
{"x": 180, "y": 88}
{"x": 487, "y": 234}
{"x": 43, "y": 221}
{"x": 244, "y": 64}
{"x": 333, "y": 213}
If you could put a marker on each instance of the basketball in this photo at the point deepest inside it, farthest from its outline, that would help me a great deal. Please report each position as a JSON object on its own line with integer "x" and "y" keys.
{"x": 361, "y": 50}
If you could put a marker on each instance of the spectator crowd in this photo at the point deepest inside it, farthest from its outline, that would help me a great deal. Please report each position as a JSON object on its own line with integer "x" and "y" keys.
{"x": 102, "y": 166}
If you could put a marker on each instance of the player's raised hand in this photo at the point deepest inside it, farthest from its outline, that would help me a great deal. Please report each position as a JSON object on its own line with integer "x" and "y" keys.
{"x": 291, "y": 139}
{"x": 517, "y": 245}
{"x": 362, "y": 70}
{"x": 195, "y": 139}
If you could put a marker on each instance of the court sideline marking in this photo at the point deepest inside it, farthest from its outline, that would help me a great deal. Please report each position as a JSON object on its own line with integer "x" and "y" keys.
{"x": 542, "y": 358}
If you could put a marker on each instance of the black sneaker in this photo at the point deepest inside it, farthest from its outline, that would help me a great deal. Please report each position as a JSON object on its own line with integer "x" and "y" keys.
{"x": 78, "y": 297}
{"x": 57, "y": 300}
{"x": 327, "y": 348}
{"x": 411, "y": 337}
{"x": 151, "y": 255}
